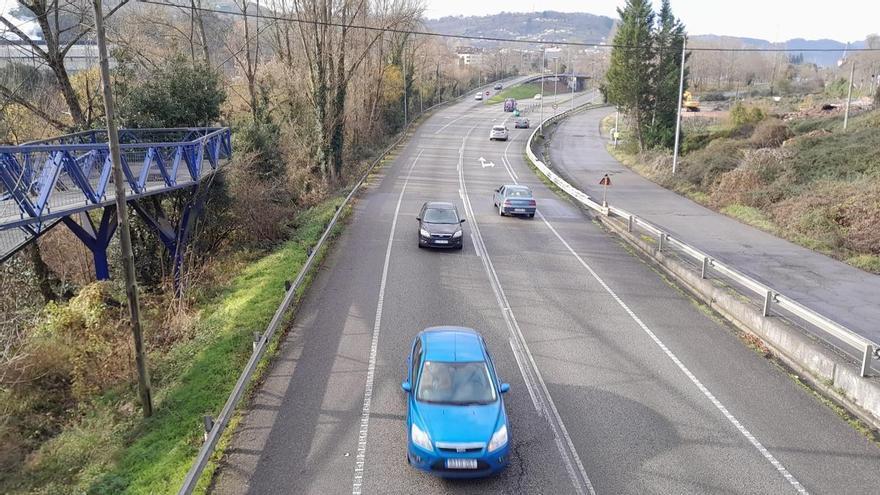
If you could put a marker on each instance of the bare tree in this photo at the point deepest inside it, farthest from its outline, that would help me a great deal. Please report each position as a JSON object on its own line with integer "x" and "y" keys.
{"x": 333, "y": 57}
{"x": 63, "y": 24}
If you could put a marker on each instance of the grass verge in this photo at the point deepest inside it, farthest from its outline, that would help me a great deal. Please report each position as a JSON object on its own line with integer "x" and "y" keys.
{"x": 520, "y": 92}
{"x": 164, "y": 447}
{"x": 751, "y": 216}
{"x": 109, "y": 448}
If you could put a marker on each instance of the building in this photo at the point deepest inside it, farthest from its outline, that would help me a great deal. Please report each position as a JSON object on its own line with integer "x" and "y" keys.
{"x": 82, "y": 56}
{"x": 469, "y": 55}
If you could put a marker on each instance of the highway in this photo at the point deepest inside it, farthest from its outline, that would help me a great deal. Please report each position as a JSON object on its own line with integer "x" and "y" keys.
{"x": 845, "y": 294}
{"x": 619, "y": 382}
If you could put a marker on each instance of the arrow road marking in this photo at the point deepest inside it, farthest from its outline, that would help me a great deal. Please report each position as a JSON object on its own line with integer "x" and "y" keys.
{"x": 485, "y": 164}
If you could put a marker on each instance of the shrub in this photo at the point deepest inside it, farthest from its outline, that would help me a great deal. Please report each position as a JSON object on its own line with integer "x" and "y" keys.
{"x": 88, "y": 327}
{"x": 694, "y": 141}
{"x": 845, "y": 156}
{"x": 741, "y": 115}
{"x": 741, "y": 186}
{"x": 704, "y": 167}
{"x": 179, "y": 94}
{"x": 770, "y": 134}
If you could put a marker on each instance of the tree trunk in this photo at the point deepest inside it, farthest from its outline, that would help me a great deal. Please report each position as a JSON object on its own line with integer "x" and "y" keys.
{"x": 42, "y": 272}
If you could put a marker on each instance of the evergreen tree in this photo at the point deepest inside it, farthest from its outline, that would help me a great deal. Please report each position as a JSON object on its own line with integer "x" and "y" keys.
{"x": 628, "y": 81}
{"x": 669, "y": 39}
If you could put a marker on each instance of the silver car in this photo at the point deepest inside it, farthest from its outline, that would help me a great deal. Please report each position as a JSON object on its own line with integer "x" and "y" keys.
{"x": 498, "y": 132}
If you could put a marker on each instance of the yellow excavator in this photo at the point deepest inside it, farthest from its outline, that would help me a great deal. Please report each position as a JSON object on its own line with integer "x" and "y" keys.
{"x": 690, "y": 104}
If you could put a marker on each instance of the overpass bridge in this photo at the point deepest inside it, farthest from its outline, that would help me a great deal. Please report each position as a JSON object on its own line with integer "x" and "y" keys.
{"x": 67, "y": 180}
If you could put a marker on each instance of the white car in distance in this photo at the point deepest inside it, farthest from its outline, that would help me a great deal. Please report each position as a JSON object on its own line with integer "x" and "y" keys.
{"x": 498, "y": 132}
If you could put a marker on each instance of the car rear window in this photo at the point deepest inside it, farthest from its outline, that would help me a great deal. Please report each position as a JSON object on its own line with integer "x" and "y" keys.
{"x": 498, "y": 128}
{"x": 519, "y": 193}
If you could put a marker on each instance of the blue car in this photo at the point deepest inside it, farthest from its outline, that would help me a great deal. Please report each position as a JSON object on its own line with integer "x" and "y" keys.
{"x": 513, "y": 199}
{"x": 456, "y": 422}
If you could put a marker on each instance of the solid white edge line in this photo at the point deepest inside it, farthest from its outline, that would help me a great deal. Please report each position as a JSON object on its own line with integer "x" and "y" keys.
{"x": 702, "y": 388}
{"x": 569, "y": 455}
{"x": 360, "y": 460}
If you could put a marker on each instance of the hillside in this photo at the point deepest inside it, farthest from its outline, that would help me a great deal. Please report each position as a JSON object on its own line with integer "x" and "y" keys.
{"x": 822, "y": 59}
{"x": 548, "y": 25}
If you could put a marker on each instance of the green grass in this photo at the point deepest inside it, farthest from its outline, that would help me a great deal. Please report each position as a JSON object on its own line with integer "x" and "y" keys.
{"x": 109, "y": 451}
{"x": 521, "y": 92}
{"x": 867, "y": 262}
{"x": 751, "y": 216}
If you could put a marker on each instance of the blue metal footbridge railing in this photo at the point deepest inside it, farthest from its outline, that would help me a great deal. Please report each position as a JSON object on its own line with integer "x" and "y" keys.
{"x": 63, "y": 179}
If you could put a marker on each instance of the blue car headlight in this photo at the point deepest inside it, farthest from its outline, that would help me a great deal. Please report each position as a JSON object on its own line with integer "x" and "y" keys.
{"x": 424, "y": 233}
{"x": 422, "y": 439}
{"x": 499, "y": 439}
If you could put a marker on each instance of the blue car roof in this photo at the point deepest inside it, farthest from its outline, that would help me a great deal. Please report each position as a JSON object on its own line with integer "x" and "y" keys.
{"x": 452, "y": 344}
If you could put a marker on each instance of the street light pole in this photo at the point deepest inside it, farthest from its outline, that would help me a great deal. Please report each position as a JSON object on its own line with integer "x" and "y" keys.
{"x": 144, "y": 388}
{"x": 543, "y": 61}
{"x": 678, "y": 118}
{"x": 852, "y": 71}
{"x": 403, "y": 64}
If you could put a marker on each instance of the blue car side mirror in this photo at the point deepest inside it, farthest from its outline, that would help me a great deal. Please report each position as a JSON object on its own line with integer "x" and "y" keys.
{"x": 504, "y": 388}
{"x": 406, "y": 386}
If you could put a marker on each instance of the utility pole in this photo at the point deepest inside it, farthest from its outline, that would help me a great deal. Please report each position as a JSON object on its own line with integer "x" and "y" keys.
{"x": 678, "y": 118}
{"x": 403, "y": 63}
{"x": 131, "y": 291}
{"x": 573, "y": 80}
{"x": 852, "y": 72}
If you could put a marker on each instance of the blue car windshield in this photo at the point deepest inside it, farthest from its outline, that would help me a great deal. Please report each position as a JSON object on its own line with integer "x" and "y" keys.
{"x": 456, "y": 383}
{"x": 440, "y": 215}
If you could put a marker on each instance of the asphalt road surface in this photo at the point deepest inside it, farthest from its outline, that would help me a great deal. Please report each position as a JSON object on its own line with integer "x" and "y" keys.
{"x": 619, "y": 382}
{"x": 841, "y": 292}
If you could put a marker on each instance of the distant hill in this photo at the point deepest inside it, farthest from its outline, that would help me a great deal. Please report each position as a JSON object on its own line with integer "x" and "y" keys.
{"x": 824, "y": 59}
{"x": 548, "y": 26}
{"x": 563, "y": 26}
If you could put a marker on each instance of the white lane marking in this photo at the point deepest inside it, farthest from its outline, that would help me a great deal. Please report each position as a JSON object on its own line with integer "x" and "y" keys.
{"x": 709, "y": 395}
{"x": 452, "y": 121}
{"x": 543, "y": 403}
{"x": 507, "y": 161}
{"x": 374, "y": 344}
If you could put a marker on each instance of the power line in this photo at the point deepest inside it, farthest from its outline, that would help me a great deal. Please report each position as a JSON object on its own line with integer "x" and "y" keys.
{"x": 490, "y": 38}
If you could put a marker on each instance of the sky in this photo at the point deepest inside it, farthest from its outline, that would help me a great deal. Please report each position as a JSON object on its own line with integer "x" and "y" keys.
{"x": 773, "y": 20}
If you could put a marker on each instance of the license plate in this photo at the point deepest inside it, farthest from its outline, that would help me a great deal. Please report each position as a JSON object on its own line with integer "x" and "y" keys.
{"x": 461, "y": 463}
{"x": 441, "y": 241}
{"x": 519, "y": 210}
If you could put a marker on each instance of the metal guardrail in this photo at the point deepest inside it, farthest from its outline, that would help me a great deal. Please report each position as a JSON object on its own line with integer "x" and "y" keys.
{"x": 665, "y": 241}
{"x": 214, "y": 428}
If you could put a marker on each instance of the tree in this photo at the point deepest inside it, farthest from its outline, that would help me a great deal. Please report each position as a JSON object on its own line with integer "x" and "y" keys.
{"x": 178, "y": 94}
{"x": 628, "y": 81}
{"x": 63, "y": 24}
{"x": 669, "y": 42}
{"x": 333, "y": 55}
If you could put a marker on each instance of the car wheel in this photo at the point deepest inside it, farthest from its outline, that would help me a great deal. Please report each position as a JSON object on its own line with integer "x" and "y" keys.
{"x": 500, "y": 211}
{"x": 531, "y": 215}
{"x": 461, "y": 246}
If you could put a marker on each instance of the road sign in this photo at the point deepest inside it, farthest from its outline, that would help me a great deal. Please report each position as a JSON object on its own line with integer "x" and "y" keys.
{"x": 606, "y": 182}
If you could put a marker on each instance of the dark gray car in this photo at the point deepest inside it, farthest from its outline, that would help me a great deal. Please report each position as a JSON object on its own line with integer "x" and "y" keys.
{"x": 440, "y": 225}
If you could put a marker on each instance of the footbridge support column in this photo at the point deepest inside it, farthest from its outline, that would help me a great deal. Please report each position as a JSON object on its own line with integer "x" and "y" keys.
{"x": 95, "y": 237}
{"x": 174, "y": 237}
